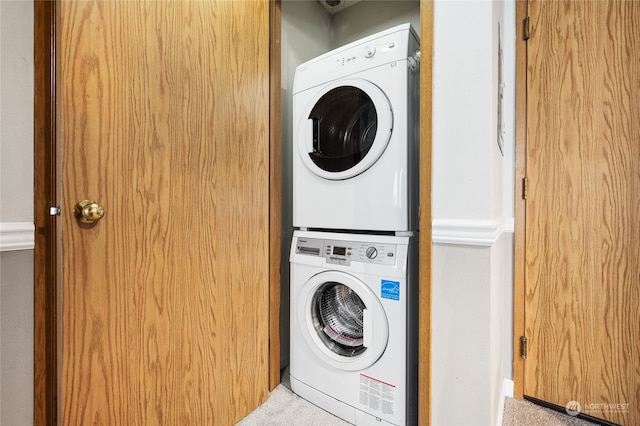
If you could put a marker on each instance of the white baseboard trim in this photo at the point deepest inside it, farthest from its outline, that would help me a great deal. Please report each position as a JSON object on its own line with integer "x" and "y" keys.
{"x": 17, "y": 236}
{"x": 505, "y": 391}
{"x": 475, "y": 232}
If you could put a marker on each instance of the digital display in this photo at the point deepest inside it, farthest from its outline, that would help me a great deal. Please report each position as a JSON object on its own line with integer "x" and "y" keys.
{"x": 340, "y": 251}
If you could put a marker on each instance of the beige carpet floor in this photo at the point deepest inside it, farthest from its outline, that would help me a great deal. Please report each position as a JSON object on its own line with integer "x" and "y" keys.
{"x": 284, "y": 408}
{"x": 518, "y": 412}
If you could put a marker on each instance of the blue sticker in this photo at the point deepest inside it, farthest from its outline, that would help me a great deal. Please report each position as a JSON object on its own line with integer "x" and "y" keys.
{"x": 390, "y": 289}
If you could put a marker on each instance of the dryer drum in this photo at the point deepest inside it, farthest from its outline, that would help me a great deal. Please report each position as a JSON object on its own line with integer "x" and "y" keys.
{"x": 339, "y": 318}
{"x": 345, "y": 123}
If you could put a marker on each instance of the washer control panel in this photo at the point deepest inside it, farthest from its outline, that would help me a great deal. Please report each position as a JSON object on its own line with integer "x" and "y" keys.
{"x": 344, "y": 252}
{"x": 361, "y": 54}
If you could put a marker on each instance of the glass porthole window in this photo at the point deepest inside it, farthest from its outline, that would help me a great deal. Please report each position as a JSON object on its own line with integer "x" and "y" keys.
{"x": 344, "y": 129}
{"x": 345, "y": 123}
{"x": 338, "y": 319}
{"x": 342, "y": 320}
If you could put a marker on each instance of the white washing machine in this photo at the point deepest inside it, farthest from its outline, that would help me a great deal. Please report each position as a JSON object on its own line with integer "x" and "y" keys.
{"x": 354, "y": 339}
{"x": 356, "y": 135}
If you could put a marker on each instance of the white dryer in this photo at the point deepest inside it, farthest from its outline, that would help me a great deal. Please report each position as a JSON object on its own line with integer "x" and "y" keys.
{"x": 354, "y": 325}
{"x": 356, "y": 135}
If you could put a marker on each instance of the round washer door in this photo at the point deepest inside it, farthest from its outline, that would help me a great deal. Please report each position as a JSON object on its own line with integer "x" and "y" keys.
{"x": 345, "y": 129}
{"x": 342, "y": 320}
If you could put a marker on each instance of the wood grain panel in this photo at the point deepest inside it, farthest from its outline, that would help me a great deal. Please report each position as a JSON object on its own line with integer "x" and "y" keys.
{"x": 582, "y": 220}
{"x": 425, "y": 243}
{"x": 164, "y": 119}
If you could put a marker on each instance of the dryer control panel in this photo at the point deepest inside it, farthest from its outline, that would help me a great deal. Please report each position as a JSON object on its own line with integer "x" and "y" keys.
{"x": 344, "y": 252}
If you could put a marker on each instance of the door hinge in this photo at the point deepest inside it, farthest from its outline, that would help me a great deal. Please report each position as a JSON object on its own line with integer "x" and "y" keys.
{"x": 523, "y": 347}
{"x": 526, "y": 31}
{"x": 525, "y": 188}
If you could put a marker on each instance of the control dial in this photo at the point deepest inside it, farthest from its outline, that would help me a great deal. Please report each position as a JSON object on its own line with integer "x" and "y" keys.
{"x": 369, "y": 51}
{"x": 372, "y": 252}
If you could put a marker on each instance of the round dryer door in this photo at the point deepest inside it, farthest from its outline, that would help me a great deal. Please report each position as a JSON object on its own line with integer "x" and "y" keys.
{"x": 345, "y": 129}
{"x": 342, "y": 320}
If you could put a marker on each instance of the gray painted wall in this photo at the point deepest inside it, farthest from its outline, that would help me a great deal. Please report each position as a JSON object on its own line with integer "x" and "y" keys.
{"x": 472, "y": 212}
{"x": 16, "y": 212}
{"x": 16, "y": 338}
{"x": 16, "y": 111}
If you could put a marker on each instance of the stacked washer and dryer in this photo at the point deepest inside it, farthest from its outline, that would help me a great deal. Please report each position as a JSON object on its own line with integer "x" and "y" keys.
{"x": 354, "y": 258}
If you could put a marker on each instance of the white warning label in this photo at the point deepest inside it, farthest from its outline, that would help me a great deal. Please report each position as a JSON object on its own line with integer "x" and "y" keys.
{"x": 377, "y": 395}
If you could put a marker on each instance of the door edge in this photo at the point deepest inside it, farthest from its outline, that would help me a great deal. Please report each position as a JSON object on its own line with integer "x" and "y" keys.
{"x": 425, "y": 242}
{"x": 519, "y": 201}
{"x": 45, "y": 268}
{"x": 275, "y": 191}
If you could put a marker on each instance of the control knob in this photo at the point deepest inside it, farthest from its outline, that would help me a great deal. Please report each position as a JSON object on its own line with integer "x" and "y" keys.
{"x": 372, "y": 252}
{"x": 369, "y": 51}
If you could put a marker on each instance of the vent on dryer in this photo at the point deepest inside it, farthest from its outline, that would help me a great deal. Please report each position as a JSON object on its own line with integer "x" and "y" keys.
{"x": 335, "y": 6}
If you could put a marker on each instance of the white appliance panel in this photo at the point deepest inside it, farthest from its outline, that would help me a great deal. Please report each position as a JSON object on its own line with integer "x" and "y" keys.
{"x": 362, "y": 182}
{"x": 353, "y": 390}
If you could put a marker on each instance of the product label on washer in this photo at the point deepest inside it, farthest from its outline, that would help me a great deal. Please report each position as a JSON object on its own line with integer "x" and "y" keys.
{"x": 377, "y": 395}
{"x": 390, "y": 290}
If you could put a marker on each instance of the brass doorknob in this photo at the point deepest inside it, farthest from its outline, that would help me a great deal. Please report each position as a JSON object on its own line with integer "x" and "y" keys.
{"x": 87, "y": 211}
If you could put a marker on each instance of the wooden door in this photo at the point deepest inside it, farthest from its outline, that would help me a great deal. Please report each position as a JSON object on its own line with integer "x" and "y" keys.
{"x": 582, "y": 271}
{"x": 163, "y": 119}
